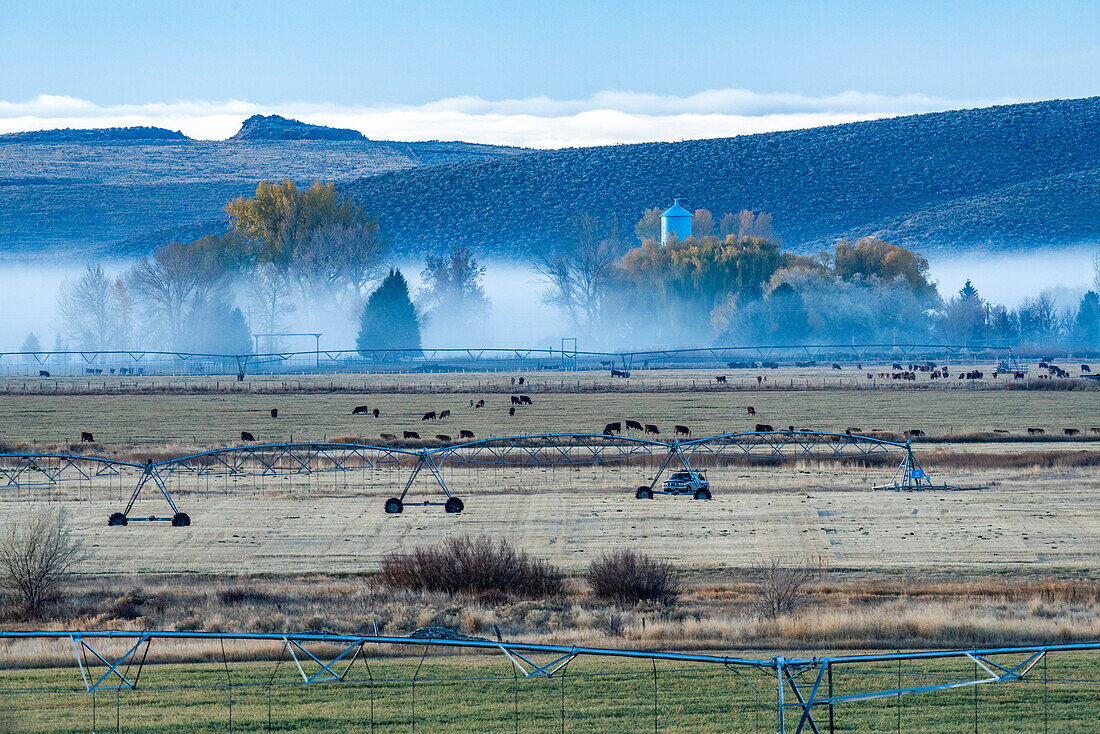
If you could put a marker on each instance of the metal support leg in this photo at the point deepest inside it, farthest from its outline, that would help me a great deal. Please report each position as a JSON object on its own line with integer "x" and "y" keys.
{"x": 80, "y": 645}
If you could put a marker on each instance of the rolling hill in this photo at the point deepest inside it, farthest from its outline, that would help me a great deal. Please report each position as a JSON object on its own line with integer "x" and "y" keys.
{"x": 998, "y": 178}
{"x": 122, "y": 191}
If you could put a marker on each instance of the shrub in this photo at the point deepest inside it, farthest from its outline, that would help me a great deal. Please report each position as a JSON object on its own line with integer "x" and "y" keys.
{"x": 475, "y": 566}
{"x": 36, "y": 556}
{"x": 780, "y": 587}
{"x": 628, "y": 577}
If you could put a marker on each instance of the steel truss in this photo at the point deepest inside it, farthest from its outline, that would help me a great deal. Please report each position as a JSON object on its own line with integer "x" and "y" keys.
{"x": 540, "y": 450}
{"x": 804, "y": 686}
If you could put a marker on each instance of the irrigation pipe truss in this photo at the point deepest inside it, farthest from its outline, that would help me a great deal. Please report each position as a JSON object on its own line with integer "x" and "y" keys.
{"x": 564, "y": 358}
{"x": 803, "y": 684}
{"x": 542, "y": 450}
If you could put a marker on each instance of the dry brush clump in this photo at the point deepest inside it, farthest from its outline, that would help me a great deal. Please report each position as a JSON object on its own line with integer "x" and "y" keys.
{"x": 36, "y": 556}
{"x": 628, "y": 577}
{"x": 780, "y": 586}
{"x": 472, "y": 566}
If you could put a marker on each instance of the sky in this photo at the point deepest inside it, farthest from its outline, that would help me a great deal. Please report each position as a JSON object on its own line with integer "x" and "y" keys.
{"x": 542, "y": 74}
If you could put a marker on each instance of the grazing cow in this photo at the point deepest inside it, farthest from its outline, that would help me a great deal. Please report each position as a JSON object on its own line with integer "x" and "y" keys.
{"x": 429, "y": 416}
{"x": 682, "y": 431}
{"x": 759, "y": 379}
{"x": 360, "y": 409}
{"x": 620, "y": 373}
{"x": 480, "y": 404}
{"x": 246, "y": 436}
{"x": 763, "y": 428}
{"x": 274, "y": 412}
{"x": 442, "y": 437}
{"x": 515, "y": 400}
{"x": 633, "y": 425}
{"x": 836, "y": 366}
{"x": 607, "y": 363}
{"x": 525, "y": 400}
{"x": 859, "y": 365}
{"x": 1071, "y": 431}
{"x": 521, "y": 380}
{"x": 895, "y": 366}
{"x": 1035, "y": 431}
{"x": 445, "y": 414}
{"x": 1017, "y": 375}
{"x": 853, "y": 431}
{"x": 43, "y": 373}
{"x": 375, "y": 412}
{"x": 411, "y": 434}
{"x": 914, "y": 432}
{"x": 387, "y": 436}
{"x": 512, "y": 410}
{"x": 86, "y": 437}
{"x": 610, "y": 428}
{"x": 752, "y": 410}
{"x": 790, "y": 429}
{"x": 650, "y": 428}
{"x": 720, "y": 378}
{"x": 465, "y": 434}
{"x": 1086, "y": 368}
{"x": 999, "y": 430}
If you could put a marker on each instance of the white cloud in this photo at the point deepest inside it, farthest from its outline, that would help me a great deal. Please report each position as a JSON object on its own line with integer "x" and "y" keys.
{"x": 604, "y": 118}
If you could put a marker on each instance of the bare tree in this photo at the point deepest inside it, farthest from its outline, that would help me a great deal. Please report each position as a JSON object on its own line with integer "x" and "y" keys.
{"x": 87, "y": 310}
{"x": 728, "y": 225}
{"x": 168, "y": 285}
{"x": 580, "y": 268}
{"x": 271, "y": 291}
{"x": 36, "y": 557}
{"x": 780, "y": 586}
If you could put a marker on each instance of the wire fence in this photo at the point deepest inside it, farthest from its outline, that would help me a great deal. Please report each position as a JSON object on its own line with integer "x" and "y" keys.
{"x": 157, "y": 681}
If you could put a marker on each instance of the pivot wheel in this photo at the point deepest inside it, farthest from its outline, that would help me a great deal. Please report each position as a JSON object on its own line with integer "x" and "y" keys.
{"x": 453, "y": 505}
{"x": 644, "y": 493}
{"x": 116, "y": 518}
{"x": 702, "y": 494}
{"x": 181, "y": 520}
{"x": 394, "y": 506}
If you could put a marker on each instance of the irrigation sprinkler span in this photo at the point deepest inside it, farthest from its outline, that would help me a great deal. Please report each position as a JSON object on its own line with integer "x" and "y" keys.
{"x": 541, "y": 450}
{"x": 136, "y": 362}
{"x": 804, "y": 689}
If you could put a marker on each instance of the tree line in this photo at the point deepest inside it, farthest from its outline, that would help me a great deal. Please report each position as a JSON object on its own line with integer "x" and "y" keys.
{"x": 290, "y": 255}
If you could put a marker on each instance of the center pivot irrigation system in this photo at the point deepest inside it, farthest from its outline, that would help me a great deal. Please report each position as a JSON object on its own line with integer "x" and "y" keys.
{"x": 805, "y": 697}
{"x": 543, "y": 450}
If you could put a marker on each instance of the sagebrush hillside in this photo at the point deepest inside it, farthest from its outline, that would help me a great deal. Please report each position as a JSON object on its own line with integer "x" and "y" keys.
{"x": 126, "y": 190}
{"x": 1005, "y": 177}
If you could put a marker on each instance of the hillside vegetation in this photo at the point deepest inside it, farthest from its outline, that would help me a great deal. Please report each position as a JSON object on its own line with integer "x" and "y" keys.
{"x": 124, "y": 191}
{"x": 1003, "y": 177}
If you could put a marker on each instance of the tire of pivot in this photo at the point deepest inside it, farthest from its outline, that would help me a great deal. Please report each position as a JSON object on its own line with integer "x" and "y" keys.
{"x": 116, "y": 518}
{"x": 181, "y": 520}
{"x": 453, "y": 505}
{"x": 644, "y": 493}
{"x": 702, "y": 494}
{"x": 394, "y": 506}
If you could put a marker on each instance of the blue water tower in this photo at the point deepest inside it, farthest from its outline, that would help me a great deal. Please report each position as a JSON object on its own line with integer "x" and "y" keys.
{"x": 675, "y": 222}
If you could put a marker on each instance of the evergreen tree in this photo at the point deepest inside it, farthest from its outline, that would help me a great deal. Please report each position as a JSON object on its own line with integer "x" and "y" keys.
{"x": 31, "y": 344}
{"x": 1087, "y": 327}
{"x": 389, "y": 319}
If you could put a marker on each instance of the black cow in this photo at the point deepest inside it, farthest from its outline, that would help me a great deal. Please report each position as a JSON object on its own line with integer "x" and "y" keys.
{"x": 387, "y": 436}
{"x": 525, "y": 400}
{"x": 444, "y": 414}
{"x": 375, "y": 412}
{"x": 914, "y": 432}
{"x": 720, "y": 378}
{"x": 620, "y": 373}
{"x": 429, "y": 416}
{"x": 521, "y": 381}
{"x": 1084, "y": 368}
{"x": 763, "y": 428}
{"x": 274, "y": 412}
{"x": 751, "y": 410}
{"x": 86, "y": 437}
{"x": 512, "y": 410}
{"x": 633, "y": 425}
{"x": 515, "y": 400}
{"x": 480, "y": 404}
{"x": 246, "y": 436}
{"x": 1035, "y": 431}
{"x": 443, "y": 437}
{"x": 682, "y": 431}
{"x": 465, "y": 434}
{"x": 1071, "y": 431}
{"x": 610, "y": 428}
{"x": 360, "y": 409}
{"x": 43, "y": 373}
{"x": 412, "y": 434}
{"x": 650, "y": 428}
